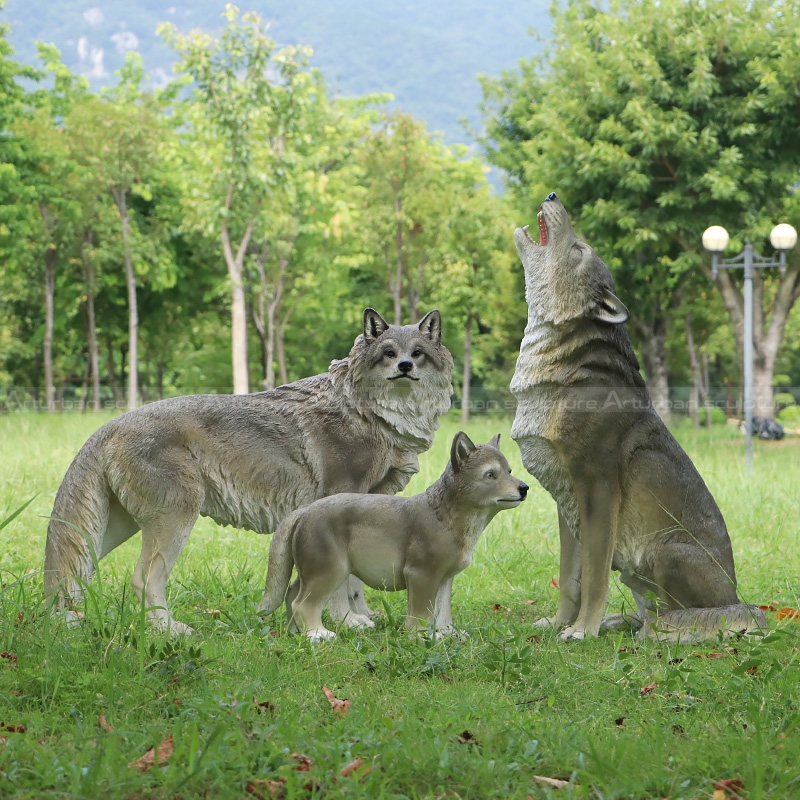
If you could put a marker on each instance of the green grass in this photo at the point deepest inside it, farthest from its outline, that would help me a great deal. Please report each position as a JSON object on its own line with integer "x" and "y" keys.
{"x": 540, "y": 707}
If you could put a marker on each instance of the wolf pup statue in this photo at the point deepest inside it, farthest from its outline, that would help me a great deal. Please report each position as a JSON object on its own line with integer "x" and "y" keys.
{"x": 249, "y": 460}
{"x": 416, "y": 543}
{"x": 629, "y": 498}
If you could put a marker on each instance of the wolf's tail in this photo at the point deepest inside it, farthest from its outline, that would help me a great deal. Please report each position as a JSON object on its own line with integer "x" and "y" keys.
{"x": 704, "y": 624}
{"x": 77, "y": 526}
{"x": 281, "y": 562}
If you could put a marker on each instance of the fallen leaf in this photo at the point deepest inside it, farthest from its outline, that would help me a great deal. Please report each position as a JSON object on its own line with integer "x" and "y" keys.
{"x": 468, "y": 738}
{"x": 496, "y": 607}
{"x": 103, "y": 723}
{"x": 645, "y": 690}
{"x": 556, "y": 783}
{"x": 340, "y": 706}
{"x": 303, "y": 762}
{"x": 768, "y": 608}
{"x": 265, "y": 707}
{"x": 788, "y": 613}
{"x": 10, "y": 728}
{"x": 554, "y": 584}
{"x": 274, "y": 788}
{"x": 712, "y": 654}
{"x": 530, "y": 602}
{"x": 146, "y": 761}
{"x": 213, "y": 612}
{"x": 620, "y": 721}
{"x": 534, "y": 639}
{"x": 728, "y": 789}
{"x": 10, "y": 657}
{"x": 348, "y": 769}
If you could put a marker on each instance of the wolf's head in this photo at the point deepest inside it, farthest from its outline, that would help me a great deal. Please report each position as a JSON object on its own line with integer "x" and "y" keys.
{"x": 565, "y": 279}
{"x": 482, "y": 476}
{"x": 402, "y": 373}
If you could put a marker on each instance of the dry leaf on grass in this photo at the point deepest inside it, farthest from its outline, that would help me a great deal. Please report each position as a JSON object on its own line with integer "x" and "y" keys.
{"x": 258, "y": 786}
{"x": 151, "y": 756}
{"x": 340, "y": 706}
{"x": 555, "y": 783}
{"x": 348, "y": 769}
{"x": 103, "y": 723}
{"x": 265, "y": 707}
{"x": 10, "y": 657}
{"x": 728, "y": 789}
{"x": 645, "y": 690}
{"x": 787, "y": 612}
{"x": 554, "y": 584}
{"x": 768, "y": 608}
{"x": 303, "y": 762}
{"x": 11, "y": 728}
{"x": 468, "y": 738}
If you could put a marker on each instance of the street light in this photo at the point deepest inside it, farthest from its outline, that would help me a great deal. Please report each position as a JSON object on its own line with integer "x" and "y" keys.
{"x": 715, "y": 239}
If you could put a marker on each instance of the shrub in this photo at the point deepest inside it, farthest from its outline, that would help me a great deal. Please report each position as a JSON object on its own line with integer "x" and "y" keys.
{"x": 790, "y": 416}
{"x": 784, "y": 399}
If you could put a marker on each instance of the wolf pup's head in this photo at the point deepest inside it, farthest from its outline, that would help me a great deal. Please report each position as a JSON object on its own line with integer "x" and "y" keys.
{"x": 565, "y": 279}
{"x": 404, "y": 372}
{"x": 482, "y": 474}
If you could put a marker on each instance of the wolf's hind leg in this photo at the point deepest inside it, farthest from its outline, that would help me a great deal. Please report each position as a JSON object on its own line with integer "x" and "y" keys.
{"x": 341, "y": 607}
{"x": 163, "y": 539}
{"x": 309, "y": 602}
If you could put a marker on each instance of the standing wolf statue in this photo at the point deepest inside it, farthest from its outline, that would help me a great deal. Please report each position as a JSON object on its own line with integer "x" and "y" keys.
{"x": 249, "y": 460}
{"x": 629, "y": 498}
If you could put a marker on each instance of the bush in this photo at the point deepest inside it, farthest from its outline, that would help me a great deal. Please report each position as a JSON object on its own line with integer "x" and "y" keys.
{"x": 784, "y": 399}
{"x": 717, "y": 416}
{"x": 790, "y": 416}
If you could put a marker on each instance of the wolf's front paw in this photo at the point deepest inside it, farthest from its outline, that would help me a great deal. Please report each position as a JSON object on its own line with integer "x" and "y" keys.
{"x": 353, "y": 620}
{"x": 320, "y": 635}
{"x": 175, "y": 628}
{"x": 572, "y": 632}
{"x": 545, "y": 622}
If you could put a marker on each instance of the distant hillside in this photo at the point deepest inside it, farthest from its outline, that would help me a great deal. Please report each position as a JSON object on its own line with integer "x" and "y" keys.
{"x": 427, "y": 53}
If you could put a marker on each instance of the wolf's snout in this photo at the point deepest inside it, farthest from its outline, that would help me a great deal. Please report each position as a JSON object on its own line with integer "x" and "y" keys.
{"x": 552, "y": 196}
{"x": 523, "y": 490}
{"x": 405, "y": 366}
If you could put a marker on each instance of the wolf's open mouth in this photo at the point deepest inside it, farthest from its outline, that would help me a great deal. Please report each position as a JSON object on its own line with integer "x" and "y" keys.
{"x": 542, "y": 230}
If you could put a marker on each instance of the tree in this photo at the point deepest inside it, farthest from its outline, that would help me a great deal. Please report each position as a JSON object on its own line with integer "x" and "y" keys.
{"x": 649, "y": 132}
{"x": 117, "y": 137}
{"x": 243, "y": 123}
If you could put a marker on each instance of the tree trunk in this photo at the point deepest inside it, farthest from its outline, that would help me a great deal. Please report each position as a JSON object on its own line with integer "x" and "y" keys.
{"x": 654, "y": 356}
{"x": 768, "y": 328}
{"x": 112, "y": 373}
{"x": 91, "y": 322}
{"x": 85, "y": 385}
{"x": 706, "y": 391}
{"x": 121, "y": 199}
{"x": 47, "y": 346}
{"x": 397, "y": 284}
{"x": 280, "y": 333}
{"x": 694, "y": 367}
{"x": 465, "y": 383}
{"x": 235, "y": 263}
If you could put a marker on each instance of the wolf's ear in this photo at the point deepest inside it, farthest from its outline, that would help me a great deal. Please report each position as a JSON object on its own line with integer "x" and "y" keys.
{"x": 374, "y": 325}
{"x": 495, "y": 441}
{"x": 431, "y": 326}
{"x": 611, "y": 309}
{"x": 461, "y": 449}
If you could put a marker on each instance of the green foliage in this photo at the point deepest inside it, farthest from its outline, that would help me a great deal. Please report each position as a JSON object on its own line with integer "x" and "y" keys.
{"x": 790, "y": 416}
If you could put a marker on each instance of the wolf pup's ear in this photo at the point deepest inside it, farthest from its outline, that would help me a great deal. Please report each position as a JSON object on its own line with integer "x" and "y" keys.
{"x": 461, "y": 449}
{"x": 611, "y": 309}
{"x": 374, "y": 325}
{"x": 495, "y": 441}
{"x": 431, "y": 326}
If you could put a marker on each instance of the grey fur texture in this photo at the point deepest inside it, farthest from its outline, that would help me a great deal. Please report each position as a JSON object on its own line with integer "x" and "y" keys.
{"x": 249, "y": 460}
{"x": 629, "y": 498}
{"x": 392, "y": 543}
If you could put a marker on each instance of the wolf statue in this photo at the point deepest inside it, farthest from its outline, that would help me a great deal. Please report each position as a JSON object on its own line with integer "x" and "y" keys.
{"x": 629, "y": 498}
{"x": 416, "y": 543}
{"x": 249, "y": 460}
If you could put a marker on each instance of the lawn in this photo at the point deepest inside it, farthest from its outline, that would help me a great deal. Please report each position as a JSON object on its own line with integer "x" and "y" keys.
{"x": 240, "y": 708}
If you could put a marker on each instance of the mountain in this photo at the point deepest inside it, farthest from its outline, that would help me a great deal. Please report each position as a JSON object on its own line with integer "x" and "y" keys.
{"x": 427, "y": 53}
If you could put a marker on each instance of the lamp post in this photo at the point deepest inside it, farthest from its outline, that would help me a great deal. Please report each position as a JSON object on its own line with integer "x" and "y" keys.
{"x": 715, "y": 239}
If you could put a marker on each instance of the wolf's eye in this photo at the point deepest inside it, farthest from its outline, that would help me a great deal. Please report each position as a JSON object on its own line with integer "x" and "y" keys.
{"x": 490, "y": 474}
{"x": 417, "y": 353}
{"x": 390, "y": 354}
